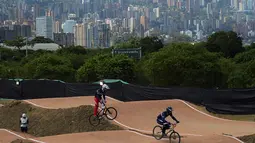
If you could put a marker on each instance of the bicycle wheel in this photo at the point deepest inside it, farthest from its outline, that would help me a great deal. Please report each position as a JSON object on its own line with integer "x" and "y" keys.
{"x": 94, "y": 120}
{"x": 174, "y": 137}
{"x": 157, "y": 132}
{"x": 111, "y": 113}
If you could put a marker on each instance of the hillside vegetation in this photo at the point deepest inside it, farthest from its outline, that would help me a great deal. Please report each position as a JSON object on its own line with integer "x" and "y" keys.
{"x": 221, "y": 61}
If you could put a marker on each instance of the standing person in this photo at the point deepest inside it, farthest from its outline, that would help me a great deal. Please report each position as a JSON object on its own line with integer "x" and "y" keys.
{"x": 24, "y": 123}
{"x": 98, "y": 96}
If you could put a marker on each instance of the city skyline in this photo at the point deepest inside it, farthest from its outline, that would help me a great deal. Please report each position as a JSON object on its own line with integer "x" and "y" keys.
{"x": 106, "y": 22}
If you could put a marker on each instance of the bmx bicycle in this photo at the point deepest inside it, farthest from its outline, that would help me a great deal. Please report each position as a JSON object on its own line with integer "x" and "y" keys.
{"x": 158, "y": 134}
{"x": 109, "y": 112}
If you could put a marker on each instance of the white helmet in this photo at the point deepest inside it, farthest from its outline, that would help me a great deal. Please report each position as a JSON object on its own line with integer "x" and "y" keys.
{"x": 24, "y": 115}
{"x": 105, "y": 87}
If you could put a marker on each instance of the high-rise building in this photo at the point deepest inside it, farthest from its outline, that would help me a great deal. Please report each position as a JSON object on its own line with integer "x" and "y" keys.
{"x": 250, "y": 4}
{"x": 104, "y": 35}
{"x": 64, "y": 39}
{"x": 36, "y": 11}
{"x": 20, "y": 11}
{"x": 144, "y": 22}
{"x": 235, "y": 4}
{"x": 49, "y": 13}
{"x": 89, "y": 41}
{"x": 189, "y": 5}
{"x": 125, "y": 23}
{"x": 241, "y": 6}
{"x": 156, "y": 10}
{"x": 57, "y": 27}
{"x": 179, "y": 4}
{"x": 79, "y": 35}
{"x": 171, "y": 3}
{"x": 68, "y": 26}
{"x": 16, "y": 29}
{"x": 209, "y": 10}
{"x": 202, "y": 3}
{"x": 132, "y": 24}
{"x": 44, "y": 27}
{"x": 92, "y": 35}
{"x": 26, "y": 31}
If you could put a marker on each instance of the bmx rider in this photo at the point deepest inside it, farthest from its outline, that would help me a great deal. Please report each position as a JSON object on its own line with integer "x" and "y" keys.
{"x": 161, "y": 119}
{"x": 98, "y": 96}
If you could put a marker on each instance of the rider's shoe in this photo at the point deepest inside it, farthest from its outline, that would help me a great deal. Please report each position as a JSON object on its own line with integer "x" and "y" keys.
{"x": 164, "y": 135}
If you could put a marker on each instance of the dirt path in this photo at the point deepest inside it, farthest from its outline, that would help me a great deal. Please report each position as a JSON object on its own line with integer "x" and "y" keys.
{"x": 192, "y": 122}
{"x": 56, "y": 103}
{"x": 142, "y": 116}
{"x": 127, "y": 137}
{"x": 6, "y": 137}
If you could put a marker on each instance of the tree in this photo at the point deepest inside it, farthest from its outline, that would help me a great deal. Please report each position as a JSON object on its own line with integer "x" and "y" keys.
{"x": 226, "y": 67}
{"x": 76, "y": 54}
{"x": 50, "y": 66}
{"x": 238, "y": 78}
{"x": 19, "y": 42}
{"x": 245, "y": 56}
{"x": 177, "y": 37}
{"x": 106, "y": 66}
{"x": 41, "y": 39}
{"x": 117, "y": 67}
{"x": 6, "y": 54}
{"x": 87, "y": 72}
{"x": 148, "y": 44}
{"x": 243, "y": 76}
{"x": 183, "y": 64}
{"x": 72, "y": 50}
{"x": 250, "y": 47}
{"x": 6, "y": 72}
{"x": 77, "y": 60}
{"x": 229, "y": 43}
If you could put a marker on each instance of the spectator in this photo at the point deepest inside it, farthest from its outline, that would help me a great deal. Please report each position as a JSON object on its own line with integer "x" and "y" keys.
{"x": 24, "y": 123}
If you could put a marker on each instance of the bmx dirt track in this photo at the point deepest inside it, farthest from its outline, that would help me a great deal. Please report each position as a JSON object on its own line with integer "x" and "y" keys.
{"x": 141, "y": 116}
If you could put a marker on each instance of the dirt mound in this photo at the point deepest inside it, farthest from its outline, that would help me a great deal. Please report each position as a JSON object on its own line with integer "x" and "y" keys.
{"x": 248, "y": 139}
{"x": 21, "y": 141}
{"x": 47, "y": 122}
{"x": 64, "y": 102}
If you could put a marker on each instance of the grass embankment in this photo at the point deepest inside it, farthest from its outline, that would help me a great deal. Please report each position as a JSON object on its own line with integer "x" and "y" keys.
{"x": 21, "y": 141}
{"x": 248, "y": 139}
{"x": 230, "y": 117}
{"x": 47, "y": 122}
{"x": 251, "y": 118}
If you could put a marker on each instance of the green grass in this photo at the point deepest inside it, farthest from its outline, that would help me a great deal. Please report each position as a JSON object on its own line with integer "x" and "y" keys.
{"x": 224, "y": 116}
{"x": 5, "y": 101}
{"x": 248, "y": 139}
{"x": 21, "y": 141}
{"x": 47, "y": 122}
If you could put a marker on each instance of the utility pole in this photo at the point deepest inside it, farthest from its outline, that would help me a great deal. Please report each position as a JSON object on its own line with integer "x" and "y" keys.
{"x": 26, "y": 48}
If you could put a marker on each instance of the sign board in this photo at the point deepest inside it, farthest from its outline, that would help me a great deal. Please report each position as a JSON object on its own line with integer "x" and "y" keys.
{"x": 132, "y": 52}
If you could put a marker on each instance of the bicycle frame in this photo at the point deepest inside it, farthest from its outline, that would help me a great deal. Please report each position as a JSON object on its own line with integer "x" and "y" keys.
{"x": 105, "y": 107}
{"x": 171, "y": 129}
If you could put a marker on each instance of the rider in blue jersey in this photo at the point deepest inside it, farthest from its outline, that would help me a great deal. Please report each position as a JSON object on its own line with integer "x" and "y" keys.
{"x": 161, "y": 119}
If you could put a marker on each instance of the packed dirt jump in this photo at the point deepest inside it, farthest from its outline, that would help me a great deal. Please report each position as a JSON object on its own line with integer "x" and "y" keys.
{"x": 195, "y": 126}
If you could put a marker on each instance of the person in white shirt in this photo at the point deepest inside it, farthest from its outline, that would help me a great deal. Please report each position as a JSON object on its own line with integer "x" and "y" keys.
{"x": 24, "y": 123}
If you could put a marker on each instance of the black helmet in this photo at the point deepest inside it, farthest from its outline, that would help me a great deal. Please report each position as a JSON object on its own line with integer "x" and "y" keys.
{"x": 169, "y": 109}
